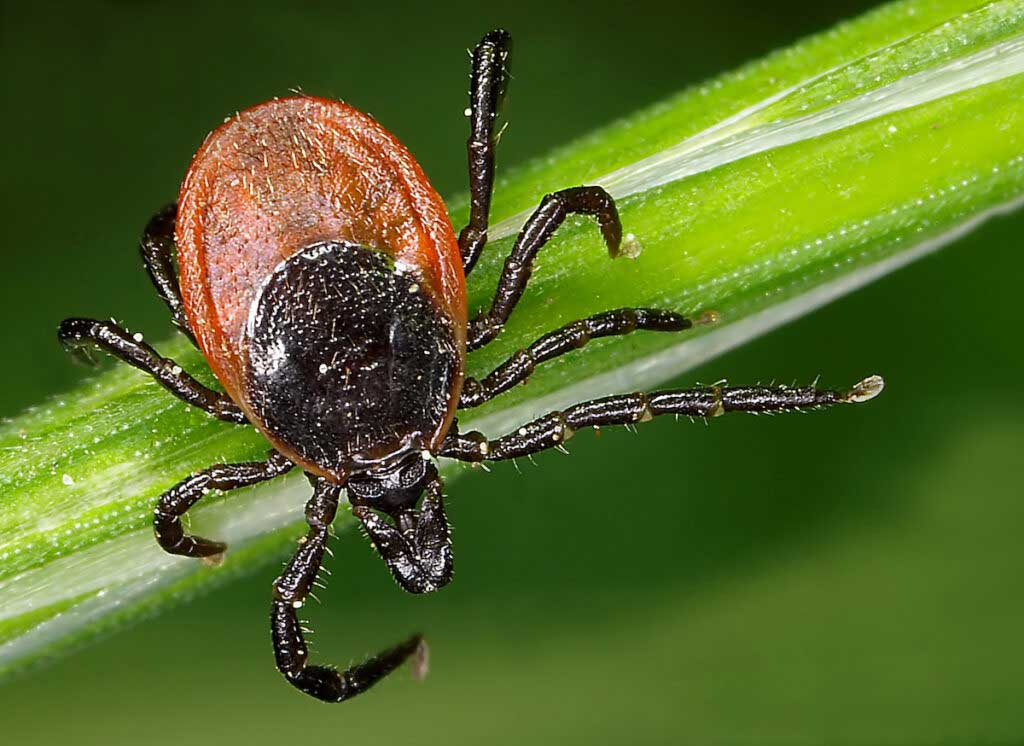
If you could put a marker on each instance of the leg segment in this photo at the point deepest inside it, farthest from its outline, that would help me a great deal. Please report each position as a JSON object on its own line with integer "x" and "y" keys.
{"x": 157, "y": 249}
{"x": 486, "y": 91}
{"x": 553, "y": 210}
{"x": 418, "y": 549}
{"x": 290, "y": 591}
{"x": 78, "y": 335}
{"x": 176, "y": 501}
{"x": 553, "y": 429}
{"x": 570, "y": 337}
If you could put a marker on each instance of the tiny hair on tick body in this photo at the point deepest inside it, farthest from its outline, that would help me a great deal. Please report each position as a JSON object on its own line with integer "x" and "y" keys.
{"x": 315, "y": 267}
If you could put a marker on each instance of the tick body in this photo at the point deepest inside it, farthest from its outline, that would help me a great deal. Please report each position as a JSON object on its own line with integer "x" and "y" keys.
{"x": 324, "y": 284}
{"x": 318, "y": 273}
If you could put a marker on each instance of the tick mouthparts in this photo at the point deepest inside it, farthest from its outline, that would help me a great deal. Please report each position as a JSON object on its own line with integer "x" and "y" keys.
{"x": 866, "y": 390}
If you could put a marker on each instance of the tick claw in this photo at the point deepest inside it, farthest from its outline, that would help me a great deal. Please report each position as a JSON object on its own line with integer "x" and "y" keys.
{"x": 213, "y": 560}
{"x": 866, "y": 390}
{"x": 420, "y": 665}
{"x": 708, "y": 318}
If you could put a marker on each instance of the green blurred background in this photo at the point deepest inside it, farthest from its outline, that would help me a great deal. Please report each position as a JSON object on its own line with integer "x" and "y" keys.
{"x": 853, "y": 577}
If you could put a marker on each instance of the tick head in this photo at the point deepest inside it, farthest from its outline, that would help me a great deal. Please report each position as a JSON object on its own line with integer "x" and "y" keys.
{"x": 393, "y": 488}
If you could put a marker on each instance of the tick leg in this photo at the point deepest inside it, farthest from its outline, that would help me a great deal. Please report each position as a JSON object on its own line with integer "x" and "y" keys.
{"x": 290, "y": 592}
{"x": 570, "y": 337}
{"x": 486, "y": 91}
{"x": 79, "y": 335}
{"x": 157, "y": 249}
{"x": 553, "y": 210}
{"x": 553, "y": 429}
{"x": 418, "y": 549}
{"x": 176, "y": 501}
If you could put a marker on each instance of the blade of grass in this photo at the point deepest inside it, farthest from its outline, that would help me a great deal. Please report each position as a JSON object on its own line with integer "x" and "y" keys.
{"x": 763, "y": 194}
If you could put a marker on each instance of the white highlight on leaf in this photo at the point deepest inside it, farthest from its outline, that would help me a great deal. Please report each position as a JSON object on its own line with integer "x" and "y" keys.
{"x": 743, "y": 135}
{"x": 123, "y": 570}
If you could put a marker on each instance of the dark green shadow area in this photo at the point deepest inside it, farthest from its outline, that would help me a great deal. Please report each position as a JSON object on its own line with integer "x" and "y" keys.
{"x": 845, "y": 577}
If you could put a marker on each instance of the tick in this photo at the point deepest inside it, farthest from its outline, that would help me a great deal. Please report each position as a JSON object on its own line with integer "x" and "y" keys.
{"x": 320, "y": 276}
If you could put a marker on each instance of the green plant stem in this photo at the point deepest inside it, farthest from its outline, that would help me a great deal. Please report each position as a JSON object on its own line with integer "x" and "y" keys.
{"x": 762, "y": 195}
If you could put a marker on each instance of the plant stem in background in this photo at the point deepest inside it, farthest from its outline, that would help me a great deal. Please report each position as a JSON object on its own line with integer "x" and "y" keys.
{"x": 762, "y": 195}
